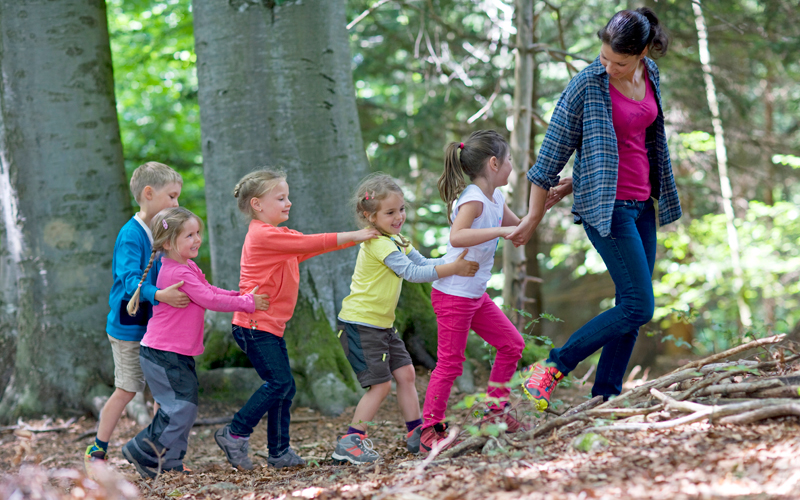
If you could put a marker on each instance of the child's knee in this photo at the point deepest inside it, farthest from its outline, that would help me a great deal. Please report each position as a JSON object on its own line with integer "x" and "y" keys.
{"x": 517, "y": 346}
{"x": 382, "y": 390}
{"x": 405, "y": 375}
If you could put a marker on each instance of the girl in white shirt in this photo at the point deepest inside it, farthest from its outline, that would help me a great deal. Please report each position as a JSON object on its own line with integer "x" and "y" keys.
{"x": 478, "y": 216}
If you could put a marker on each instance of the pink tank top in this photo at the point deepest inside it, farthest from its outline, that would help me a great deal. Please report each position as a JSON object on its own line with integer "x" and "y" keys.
{"x": 631, "y": 119}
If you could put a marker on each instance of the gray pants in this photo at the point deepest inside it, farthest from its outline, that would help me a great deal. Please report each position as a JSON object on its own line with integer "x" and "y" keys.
{"x": 173, "y": 382}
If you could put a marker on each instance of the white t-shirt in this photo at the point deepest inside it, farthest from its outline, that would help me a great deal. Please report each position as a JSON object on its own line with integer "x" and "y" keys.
{"x": 483, "y": 254}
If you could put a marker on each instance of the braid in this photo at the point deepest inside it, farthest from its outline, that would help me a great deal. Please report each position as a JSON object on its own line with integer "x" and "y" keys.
{"x": 133, "y": 304}
{"x": 404, "y": 242}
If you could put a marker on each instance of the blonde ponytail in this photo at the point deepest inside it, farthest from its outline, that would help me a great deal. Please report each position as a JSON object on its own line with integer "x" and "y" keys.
{"x": 133, "y": 304}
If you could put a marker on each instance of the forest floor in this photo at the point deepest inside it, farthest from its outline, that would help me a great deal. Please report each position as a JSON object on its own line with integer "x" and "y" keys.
{"x": 698, "y": 460}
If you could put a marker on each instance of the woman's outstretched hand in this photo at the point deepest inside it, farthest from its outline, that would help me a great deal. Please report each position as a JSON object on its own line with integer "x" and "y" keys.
{"x": 557, "y": 193}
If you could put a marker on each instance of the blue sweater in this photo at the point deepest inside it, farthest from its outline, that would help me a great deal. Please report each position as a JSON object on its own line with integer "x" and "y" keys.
{"x": 131, "y": 255}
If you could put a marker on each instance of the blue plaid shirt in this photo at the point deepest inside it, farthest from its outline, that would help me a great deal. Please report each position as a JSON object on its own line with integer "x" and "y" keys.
{"x": 582, "y": 123}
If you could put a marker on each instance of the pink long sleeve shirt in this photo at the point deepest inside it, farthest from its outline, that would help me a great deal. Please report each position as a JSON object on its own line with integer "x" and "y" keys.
{"x": 181, "y": 330}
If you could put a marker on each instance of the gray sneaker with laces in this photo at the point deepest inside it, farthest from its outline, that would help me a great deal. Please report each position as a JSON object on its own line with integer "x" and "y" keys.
{"x": 235, "y": 449}
{"x": 355, "y": 449}
{"x": 288, "y": 459}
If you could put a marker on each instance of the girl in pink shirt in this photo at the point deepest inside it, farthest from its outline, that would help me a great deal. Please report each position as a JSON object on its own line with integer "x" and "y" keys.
{"x": 173, "y": 337}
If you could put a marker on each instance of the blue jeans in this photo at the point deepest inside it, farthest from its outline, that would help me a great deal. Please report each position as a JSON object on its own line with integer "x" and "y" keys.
{"x": 268, "y": 354}
{"x": 629, "y": 254}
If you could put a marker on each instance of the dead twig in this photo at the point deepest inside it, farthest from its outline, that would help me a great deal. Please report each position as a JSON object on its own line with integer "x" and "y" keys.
{"x": 763, "y": 413}
{"x": 731, "y": 352}
{"x": 746, "y": 387}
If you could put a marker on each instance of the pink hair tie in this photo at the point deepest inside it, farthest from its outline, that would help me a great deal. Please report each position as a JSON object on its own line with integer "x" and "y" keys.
{"x": 164, "y": 223}
{"x": 461, "y": 146}
{"x": 139, "y": 285}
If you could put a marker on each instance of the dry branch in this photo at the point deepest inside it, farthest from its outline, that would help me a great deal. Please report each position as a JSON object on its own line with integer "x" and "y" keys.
{"x": 731, "y": 352}
{"x": 762, "y": 413}
{"x": 789, "y": 391}
{"x": 746, "y": 387}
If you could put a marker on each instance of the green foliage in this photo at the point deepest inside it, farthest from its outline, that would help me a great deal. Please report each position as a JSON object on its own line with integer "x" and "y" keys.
{"x": 155, "y": 82}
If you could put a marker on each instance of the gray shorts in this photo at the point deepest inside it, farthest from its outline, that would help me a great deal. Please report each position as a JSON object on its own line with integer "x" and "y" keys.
{"x": 128, "y": 374}
{"x": 374, "y": 353}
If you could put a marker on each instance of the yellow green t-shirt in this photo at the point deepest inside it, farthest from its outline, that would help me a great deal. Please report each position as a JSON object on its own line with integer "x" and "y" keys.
{"x": 375, "y": 288}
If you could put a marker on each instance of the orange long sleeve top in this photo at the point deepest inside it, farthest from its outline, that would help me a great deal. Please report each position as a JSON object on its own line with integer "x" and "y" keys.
{"x": 270, "y": 259}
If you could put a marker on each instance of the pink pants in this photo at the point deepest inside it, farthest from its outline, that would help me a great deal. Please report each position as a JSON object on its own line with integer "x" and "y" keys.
{"x": 455, "y": 316}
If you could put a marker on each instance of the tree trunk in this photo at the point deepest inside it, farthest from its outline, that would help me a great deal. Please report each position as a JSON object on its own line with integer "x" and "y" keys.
{"x": 63, "y": 200}
{"x": 722, "y": 165}
{"x": 276, "y": 90}
{"x": 514, "y": 258}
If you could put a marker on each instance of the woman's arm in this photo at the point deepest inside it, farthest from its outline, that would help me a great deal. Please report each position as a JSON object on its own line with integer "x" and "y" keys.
{"x": 462, "y": 235}
{"x": 563, "y": 136}
{"x": 523, "y": 232}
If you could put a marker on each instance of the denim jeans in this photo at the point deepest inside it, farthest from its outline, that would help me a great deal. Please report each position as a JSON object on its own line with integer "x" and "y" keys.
{"x": 629, "y": 254}
{"x": 268, "y": 354}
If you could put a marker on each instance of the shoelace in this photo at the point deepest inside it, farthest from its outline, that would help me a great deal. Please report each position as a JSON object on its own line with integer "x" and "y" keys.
{"x": 366, "y": 443}
{"x": 549, "y": 380}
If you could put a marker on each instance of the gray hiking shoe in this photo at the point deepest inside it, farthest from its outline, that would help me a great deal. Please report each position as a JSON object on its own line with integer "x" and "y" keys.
{"x": 413, "y": 438}
{"x": 354, "y": 449}
{"x": 288, "y": 459}
{"x": 235, "y": 449}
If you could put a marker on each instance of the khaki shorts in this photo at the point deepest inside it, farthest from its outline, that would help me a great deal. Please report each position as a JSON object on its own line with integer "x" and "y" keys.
{"x": 128, "y": 374}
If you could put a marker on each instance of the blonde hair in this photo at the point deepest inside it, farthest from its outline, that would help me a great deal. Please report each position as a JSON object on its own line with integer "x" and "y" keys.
{"x": 367, "y": 200}
{"x": 153, "y": 174}
{"x": 166, "y": 227}
{"x": 468, "y": 157}
{"x": 255, "y": 185}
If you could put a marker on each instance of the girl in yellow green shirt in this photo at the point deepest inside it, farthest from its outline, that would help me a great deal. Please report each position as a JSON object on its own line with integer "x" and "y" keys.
{"x": 371, "y": 344}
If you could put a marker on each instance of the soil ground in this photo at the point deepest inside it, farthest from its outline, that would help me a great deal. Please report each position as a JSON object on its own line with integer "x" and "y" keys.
{"x": 760, "y": 461}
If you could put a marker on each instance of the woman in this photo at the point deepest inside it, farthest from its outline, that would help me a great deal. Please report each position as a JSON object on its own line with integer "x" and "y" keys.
{"x": 610, "y": 115}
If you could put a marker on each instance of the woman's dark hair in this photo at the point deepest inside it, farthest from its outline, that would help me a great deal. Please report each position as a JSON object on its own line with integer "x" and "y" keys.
{"x": 629, "y": 32}
{"x": 468, "y": 158}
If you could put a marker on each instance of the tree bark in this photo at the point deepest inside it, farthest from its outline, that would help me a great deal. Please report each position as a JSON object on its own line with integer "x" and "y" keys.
{"x": 276, "y": 90}
{"x": 514, "y": 258}
{"x": 745, "y": 316}
{"x": 62, "y": 187}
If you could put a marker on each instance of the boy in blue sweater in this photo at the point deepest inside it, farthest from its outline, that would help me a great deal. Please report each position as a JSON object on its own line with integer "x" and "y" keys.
{"x": 155, "y": 187}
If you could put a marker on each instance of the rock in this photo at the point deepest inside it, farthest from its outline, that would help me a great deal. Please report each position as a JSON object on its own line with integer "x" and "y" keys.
{"x": 589, "y": 442}
{"x": 229, "y": 384}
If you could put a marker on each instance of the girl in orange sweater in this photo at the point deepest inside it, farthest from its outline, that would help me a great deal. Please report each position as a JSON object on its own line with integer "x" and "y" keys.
{"x": 270, "y": 259}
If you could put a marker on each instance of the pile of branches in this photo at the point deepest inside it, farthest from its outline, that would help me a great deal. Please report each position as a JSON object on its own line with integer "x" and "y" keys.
{"x": 734, "y": 392}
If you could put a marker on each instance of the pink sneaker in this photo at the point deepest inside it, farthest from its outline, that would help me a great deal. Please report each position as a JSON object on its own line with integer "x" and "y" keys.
{"x": 503, "y": 415}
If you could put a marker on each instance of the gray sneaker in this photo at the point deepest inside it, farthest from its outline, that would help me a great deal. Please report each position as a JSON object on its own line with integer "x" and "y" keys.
{"x": 413, "y": 439}
{"x": 354, "y": 449}
{"x": 288, "y": 459}
{"x": 235, "y": 449}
